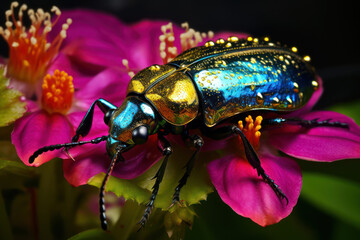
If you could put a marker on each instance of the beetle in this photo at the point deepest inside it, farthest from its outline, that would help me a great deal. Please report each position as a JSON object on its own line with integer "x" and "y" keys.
{"x": 207, "y": 87}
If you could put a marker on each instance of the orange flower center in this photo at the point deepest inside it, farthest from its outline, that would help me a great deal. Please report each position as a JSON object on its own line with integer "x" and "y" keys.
{"x": 29, "y": 52}
{"x": 251, "y": 130}
{"x": 58, "y": 92}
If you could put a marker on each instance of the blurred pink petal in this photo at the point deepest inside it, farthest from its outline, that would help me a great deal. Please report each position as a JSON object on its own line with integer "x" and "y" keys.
{"x": 37, "y": 130}
{"x": 248, "y": 195}
{"x": 110, "y": 84}
{"x": 91, "y": 161}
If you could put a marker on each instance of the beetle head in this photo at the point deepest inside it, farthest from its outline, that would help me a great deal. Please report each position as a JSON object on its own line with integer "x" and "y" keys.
{"x": 130, "y": 124}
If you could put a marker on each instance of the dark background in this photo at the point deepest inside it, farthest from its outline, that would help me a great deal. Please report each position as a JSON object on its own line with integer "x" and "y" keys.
{"x": 326, "y": 30}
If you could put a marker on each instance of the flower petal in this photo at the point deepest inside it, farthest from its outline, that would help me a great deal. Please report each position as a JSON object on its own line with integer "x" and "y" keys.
{"x": 37, "y": 130}
{"x": 110, "y": 84}
{"x": 324, "y": 144}
{"x": 248, "y": 195}
{"x": 91, "y": 160}
{"x": 80, "y": 71}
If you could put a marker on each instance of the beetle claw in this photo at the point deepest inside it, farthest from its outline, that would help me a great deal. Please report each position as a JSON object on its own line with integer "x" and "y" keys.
{"x": 66, "y": 150}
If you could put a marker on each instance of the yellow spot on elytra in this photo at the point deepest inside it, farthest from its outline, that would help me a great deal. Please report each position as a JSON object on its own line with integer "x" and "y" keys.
{"x": 233, "y": 39}
{"x": 315, "y": 84}
{"x": 209, "y": 44}
{"x": 220, "y": 41}
{"x": 307, "y": 58}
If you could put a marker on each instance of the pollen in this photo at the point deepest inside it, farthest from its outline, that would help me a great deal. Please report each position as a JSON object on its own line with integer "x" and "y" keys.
{"x": 57, "y": 92}
{"x": 252, "y": 129}
{"x": 30, "y": 54}
{"x": 189, "y": 39}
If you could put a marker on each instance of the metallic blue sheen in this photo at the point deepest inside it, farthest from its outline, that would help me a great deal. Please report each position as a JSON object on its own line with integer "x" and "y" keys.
{"x": 263, "y": 80}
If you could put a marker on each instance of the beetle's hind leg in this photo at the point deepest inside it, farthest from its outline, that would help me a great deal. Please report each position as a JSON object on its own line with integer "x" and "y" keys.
{"x": 254, "y": 161}
{"x": 165, "y": 147}
{"x": 197, "y": 142}
{"x": 251, "y": 156}
{"x": 306, "y": 123}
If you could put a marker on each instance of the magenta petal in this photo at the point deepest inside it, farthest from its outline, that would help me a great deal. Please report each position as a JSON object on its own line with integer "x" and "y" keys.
{"x": 91, "y": 160}
{"x": 77, "y": 70}
{"x": 321, "y": 143}
{"x": 248, "y": 195}
{"x": 37, "y": 130}
{"x": 91, "y": 24}
{"x": 110, "y": 84}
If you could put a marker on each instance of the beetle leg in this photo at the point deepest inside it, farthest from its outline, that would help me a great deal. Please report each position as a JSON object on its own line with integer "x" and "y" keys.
{"x": 117, "y": 156}
{"x": 197, "y": 142}
{"x": 305, "y": 123}
{"x": 165, "y": 147}
{"x": 251, "y": 156}
{"x": 254, "y": 161}
{"x": 85, "y": 125}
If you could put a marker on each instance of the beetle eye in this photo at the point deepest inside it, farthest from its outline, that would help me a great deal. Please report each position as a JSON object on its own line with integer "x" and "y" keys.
{"x": 140, "y": 135}
{"x": 108, "y": 116}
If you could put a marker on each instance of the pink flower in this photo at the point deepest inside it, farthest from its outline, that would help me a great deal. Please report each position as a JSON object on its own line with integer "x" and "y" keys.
{"x": 92, "y": 53}
{"x": 48, "y": 122}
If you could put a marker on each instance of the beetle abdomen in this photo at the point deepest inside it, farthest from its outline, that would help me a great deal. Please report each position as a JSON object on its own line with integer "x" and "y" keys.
{"x": 239, "y": 77}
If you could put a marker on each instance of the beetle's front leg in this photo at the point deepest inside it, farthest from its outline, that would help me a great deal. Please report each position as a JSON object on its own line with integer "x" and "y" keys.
{"x": 197, "y": 142}
{"x": 166, "y": 149}
{"x": 84, "y": 127}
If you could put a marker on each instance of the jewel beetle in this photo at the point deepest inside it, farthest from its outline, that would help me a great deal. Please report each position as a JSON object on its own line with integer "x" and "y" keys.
{"x": 208, "y": 88}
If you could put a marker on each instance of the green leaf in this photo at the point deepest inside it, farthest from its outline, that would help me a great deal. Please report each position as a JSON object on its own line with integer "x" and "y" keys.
{"x": 333, "y": 195}
{"x": 8, "y": 151}
{"x": 139, "y": 189}
{"x": 351, "y": 109}
{"x": 17, "y": 168}
{"x": 13, "y": 173}
{"x": 11, "y": 107}
{"x": 92, "y": 234}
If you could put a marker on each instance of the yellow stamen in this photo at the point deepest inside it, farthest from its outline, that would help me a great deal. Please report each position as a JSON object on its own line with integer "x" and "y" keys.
{"x": 189, "y": 39}
{"x": 29, "y": 52}
{"x": 58, "y": 91}
{"x": 252, "y": 130}
{"x": 125, "y": 62}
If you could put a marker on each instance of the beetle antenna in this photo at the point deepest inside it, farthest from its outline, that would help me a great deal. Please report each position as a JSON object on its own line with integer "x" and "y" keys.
{"x": 115, "y": 158}
{"x": 66, "y": 145}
